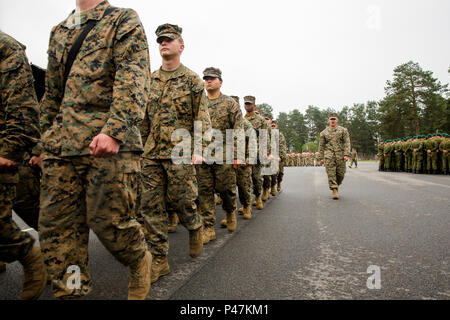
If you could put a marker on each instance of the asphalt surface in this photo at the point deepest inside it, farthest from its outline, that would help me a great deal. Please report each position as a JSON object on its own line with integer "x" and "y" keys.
{"x": 304, "y": 245}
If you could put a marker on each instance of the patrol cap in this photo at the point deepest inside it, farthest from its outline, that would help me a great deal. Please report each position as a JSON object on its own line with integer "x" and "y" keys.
{"x": 236, "y": 98}
{"x": 249, "y": 100}
{"x": 333, "y": 115}
{"x": 212, "y": 73}
{"x": 267, "y": 116}
{"x": 167, "y": 30}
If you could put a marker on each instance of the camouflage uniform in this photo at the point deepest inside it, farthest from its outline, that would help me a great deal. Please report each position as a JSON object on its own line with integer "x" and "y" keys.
{"x": 244, "y": 172}
{"x": 431, "y": 146}
{"x": 258, "y": 123}
{"x": 417, "y": 146}
{"x": 106, "y": 92}
{"x": 354, "y": 159}
{"x": 278, "y": 177}
{"x": 18, "y": 134}
{"x": 176, "y": 100}
{"x": 334, "y": 145}
{"x": 398, "y": 155}
{"x": 444, "y": 148}
{"x": 225, "y": 114}
{"x": 407, "y": 153}
{"x": 387, "y": 151}
{"x": 381, "y": 156}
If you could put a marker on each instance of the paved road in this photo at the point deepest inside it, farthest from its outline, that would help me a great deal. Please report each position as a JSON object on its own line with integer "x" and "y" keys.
{"x": 304, "y": 245}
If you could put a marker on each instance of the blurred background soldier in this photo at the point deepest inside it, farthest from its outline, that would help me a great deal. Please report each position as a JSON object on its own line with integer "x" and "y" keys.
{"x": 354, "y": 158}
{"x": 278, "y": 177}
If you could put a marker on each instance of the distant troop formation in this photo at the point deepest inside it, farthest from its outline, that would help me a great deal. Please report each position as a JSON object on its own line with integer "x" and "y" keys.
{"x": 304, "y": 159}
{"x": 419, "y": 154}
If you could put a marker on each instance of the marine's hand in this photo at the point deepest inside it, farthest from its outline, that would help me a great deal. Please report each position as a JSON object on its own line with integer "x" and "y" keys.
{"x": 346, "y": 158}
{"x": 197, "y": 159}
{"x": 36, "y": 161}
{"x": 322, "y": 162}
{"x": 104, "y": 146}
{"x": 6, "y": 163}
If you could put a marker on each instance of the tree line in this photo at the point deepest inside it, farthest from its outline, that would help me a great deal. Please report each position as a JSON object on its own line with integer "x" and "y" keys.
{"x": 415, "y": 103}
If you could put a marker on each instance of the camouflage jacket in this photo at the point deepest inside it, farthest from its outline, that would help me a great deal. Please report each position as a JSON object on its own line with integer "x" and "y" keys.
{"x": 334, "y": 143}
{"x": 417, "y": 145}
{"x": 19, "y": 129}
{"x": 381, "y": 150}
{"x": 354, "y": 155}
{"x": 406, "y": 147}
{"x": 107, "y": 87}
{"x": 444, "y": 145}
{"x": 225, "y": 114}
{"x": 431, "y": 144}
{"x": 283, "y": 147}
{"x": 175, "y": 103}
{"x": 259, "y": 123}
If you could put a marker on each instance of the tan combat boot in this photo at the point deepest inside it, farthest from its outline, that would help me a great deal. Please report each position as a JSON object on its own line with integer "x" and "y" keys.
{"x": 211, "y": 234}
{"x": 247, "y": 213}
{"x": 231, "y": 221}
{"x": 223, "y": 223}
{"x": 160, "y": 267}
{"x": 259, "y": 203}
{"x": 173, "y": 222}
{"x": 35, "y": 274}
{"x": 205, "y": 236}
{"x": 335, "y": 194}
{"x": 196, "y": 242}
{"x": 265, "y": 195}
{"x": 241, "y": 211}
{"x": 140, "y": 278}
{"x": 279, "y": 186}
{"x": 273, "y": 191}
{"x": 2, "y": 266}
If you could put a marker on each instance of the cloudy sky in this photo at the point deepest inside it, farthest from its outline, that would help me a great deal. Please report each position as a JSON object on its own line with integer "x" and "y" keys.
{"x": 288, "y": 53}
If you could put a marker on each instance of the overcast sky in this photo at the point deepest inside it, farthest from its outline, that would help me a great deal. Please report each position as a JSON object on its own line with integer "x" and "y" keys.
{"x": 288, "y": 53}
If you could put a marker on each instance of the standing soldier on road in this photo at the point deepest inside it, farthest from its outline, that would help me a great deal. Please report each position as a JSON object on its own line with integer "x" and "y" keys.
{"x": 19, "y": 132}
{"x": 90, "y": 118}
{"x": 381, "y": 156}
{"x": 432, "y": 148}
{"x": 244, "y": 173}
{"x": 354, "y": 158}
{"x": 398, "y": 153}
{"x": 418, "y": 146}
{"x": 177, "y": 99}
{"x": 258, "y": 123}
{"x": 278, "y": 177}
{"x": 225, "y": 114}
{"x": 407, "y": 153}
{"x": 444, "y": 148}
{"x": 334, "y": 149}
{"x": 387, "y": 153}
{"x": 267, "y": 179}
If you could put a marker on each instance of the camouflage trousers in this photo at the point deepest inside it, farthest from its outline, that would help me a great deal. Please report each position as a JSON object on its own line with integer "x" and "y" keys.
{"x": 354, "y": 161}
{"x": 278, "y": 177}
{"x": 256, "y": 179}
{"x": 387, "y": 162}
{"x": 220, "y": 178}
{"x": 14, "y": 243}
{"x": 336, "y": 171}
{"x": 398, "y": 160}
{"x": 445, "y": 161}
{"x": 418, "y": 160}
{"x": 167, "y": 185}
{"x": 26, "y": 204}
{"x": 245, "y": 184}
{"x": 82, "y": 193}
{"x": 381, "y": 162}
{"x": 408, "y": 160}
{"x": 432, "y": 161}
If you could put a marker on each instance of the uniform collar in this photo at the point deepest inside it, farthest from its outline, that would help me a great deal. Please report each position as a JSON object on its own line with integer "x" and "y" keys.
{"x": 213, "y": 102}
{"x": 181, "y": 71}
{"x": 95, "y": 13}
